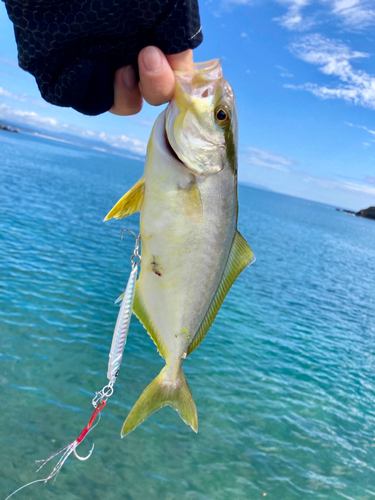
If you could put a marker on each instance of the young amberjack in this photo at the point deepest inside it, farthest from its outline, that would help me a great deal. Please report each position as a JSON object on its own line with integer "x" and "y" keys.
{"x": 191, "y": 249}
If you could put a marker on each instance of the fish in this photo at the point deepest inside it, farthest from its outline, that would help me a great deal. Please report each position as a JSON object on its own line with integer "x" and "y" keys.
{"x": 192, "y": 251}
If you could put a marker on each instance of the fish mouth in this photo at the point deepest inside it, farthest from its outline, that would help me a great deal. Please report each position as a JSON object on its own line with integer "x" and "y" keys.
{"x": 202, "y": 81}
{"x": 202, "y": 67}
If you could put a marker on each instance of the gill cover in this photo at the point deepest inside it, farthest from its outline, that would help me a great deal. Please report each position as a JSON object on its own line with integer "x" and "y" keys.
{"x": 199, "y": 116}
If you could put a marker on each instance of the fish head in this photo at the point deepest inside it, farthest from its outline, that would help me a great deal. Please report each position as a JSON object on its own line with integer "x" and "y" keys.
{"x": 201, "y": 120}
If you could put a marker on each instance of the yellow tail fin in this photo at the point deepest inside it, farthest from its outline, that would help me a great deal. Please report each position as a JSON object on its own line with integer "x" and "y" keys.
{"x": 162, "y": 392}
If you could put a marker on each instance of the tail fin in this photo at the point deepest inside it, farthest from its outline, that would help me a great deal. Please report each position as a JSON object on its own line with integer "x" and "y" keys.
{"x": 162, "y": 392}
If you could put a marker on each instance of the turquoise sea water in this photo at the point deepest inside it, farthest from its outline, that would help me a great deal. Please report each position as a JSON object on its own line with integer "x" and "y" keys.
{"x": 284, "y": 382}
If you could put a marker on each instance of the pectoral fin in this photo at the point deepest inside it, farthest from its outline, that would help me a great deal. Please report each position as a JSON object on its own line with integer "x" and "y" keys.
{"x": 130, "y": 203}
{"x": 191, "y": 201}
{"x": 240, "y": 257}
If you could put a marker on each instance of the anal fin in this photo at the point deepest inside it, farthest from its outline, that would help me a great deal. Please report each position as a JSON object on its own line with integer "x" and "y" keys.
{"x": 130, "y": 203}
{"x": 140, "y": 310}
{"x": 239, "y": 258}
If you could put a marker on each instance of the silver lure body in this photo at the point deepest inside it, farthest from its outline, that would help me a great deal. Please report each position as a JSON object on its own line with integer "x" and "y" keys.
{"x": 120, "y": 333}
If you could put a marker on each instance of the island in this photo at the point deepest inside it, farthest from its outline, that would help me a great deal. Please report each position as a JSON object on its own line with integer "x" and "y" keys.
{"x": 9, "y": 129}
{"x": 368, "y": 213}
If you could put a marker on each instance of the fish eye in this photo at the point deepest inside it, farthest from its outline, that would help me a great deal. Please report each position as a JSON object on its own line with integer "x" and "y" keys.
{"x": 221, "y": 116}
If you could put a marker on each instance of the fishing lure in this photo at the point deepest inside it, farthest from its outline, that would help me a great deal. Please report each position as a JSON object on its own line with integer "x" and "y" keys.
{"x": 123, "y": 320}
{"x": 119, "y": 338}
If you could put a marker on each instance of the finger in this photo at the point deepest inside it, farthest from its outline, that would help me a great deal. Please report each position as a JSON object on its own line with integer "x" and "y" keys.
{"x": 156, "y": 76}
{"x": 127, "y": 98}
{"x": 181, "y": 62}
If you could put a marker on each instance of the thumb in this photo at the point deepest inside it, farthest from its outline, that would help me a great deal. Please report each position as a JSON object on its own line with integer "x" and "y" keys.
{"x": 182, "y": 61}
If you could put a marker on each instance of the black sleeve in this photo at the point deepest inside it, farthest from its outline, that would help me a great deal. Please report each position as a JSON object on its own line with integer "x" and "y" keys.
{"x": 74, "y": 47}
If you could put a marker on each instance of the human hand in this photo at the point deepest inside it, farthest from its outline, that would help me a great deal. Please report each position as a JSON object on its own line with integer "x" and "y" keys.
{"x": 156, "y": 83}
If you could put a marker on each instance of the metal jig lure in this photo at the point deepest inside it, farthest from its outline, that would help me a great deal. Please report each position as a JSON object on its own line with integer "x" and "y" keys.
{"x": 123, "y": 319}
{"x": 99, "y": 401}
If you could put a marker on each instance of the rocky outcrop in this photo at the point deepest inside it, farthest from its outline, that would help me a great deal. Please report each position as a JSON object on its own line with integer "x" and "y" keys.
{"x": 368, "y": 213}
{"x": 8, "y": 129}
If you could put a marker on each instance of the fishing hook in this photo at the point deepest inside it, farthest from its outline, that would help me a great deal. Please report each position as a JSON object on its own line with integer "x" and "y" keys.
{"x": 130, "y": 231}
{"x": 84, "y": 458}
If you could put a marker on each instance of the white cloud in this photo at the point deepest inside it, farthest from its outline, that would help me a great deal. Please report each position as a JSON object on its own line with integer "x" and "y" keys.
{"x": 263, "y": 158}
{"x": 355, "y": 13}
{"x": 284, "y": 72}
{"x": 372, "y": 132}
{"x": 244, "y": 35}
{"x": 119, "y": 141}
{"x": 9, "y": 62}
{"x": 293, "y": 19}
{"x": 333, "y": 59}
{"x": 238, "y": 2}
{"x": 142, "y": 121}
{"x": 351, "y": 14}
{"x": 23, "y": 98}
{"x": 16, "y": 97}
{"x": 27, "y": 117}
{"x": 332, "y": 55}
{"x": 346, "y": 186}
{"x": 53, "y": 126}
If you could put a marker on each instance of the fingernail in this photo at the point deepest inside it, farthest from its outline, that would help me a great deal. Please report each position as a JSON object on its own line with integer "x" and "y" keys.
{"x": 129, "y": 79}
{"x": 152, "y": 59}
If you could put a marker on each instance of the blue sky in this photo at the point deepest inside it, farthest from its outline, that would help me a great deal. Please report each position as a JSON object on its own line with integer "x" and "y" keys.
{"x": 304, "y": 76}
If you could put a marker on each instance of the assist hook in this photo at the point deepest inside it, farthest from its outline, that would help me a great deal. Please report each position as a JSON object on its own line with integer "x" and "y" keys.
{"x": 84, "y": 458}
{"x": 130, "y": 231}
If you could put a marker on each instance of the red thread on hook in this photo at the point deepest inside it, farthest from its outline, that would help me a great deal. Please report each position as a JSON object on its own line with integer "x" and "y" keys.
{"x": 97, "y": 410}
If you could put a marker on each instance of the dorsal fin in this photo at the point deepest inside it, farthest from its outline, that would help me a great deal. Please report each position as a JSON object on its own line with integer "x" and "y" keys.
{"x": 240, "y": 257}
{"x": 130, "y": 203}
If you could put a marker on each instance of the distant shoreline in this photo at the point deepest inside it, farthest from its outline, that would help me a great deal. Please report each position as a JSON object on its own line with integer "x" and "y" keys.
{"x": 103, "y": 147}
{"x": 367, "y": 213}
{"x": 9, "y": 129}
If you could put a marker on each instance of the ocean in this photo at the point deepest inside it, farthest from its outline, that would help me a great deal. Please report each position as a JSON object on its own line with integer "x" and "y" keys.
{"x": 284, "y": 382}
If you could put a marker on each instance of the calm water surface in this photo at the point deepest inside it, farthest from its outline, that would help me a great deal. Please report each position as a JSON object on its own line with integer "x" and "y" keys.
{"x": 284, "y": 382}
